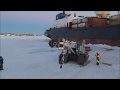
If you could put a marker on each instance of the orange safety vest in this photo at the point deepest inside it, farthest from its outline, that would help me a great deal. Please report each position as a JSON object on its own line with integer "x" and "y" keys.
{"x": 98, "y": 56}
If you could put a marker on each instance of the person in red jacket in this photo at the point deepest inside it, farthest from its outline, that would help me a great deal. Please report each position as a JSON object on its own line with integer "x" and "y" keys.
{"x": 97, "y": 58}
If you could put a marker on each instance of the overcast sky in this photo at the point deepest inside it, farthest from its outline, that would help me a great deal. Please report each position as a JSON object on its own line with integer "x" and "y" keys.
{"x": 35, "y": 22}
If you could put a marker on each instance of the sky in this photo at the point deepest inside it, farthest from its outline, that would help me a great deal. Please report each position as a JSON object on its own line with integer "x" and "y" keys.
{"x": 32, "y": 58}
{"x": 34, "y": 22}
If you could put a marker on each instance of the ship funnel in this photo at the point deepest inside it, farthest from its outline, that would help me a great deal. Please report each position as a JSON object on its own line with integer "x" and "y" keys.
{"x": 102, "y": 14}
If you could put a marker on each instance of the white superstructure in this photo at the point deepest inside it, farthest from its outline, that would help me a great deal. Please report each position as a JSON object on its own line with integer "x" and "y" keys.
{"x": 64, "y": 22}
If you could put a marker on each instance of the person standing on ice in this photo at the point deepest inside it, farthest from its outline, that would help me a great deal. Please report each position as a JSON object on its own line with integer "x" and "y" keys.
{"x": 97, "y": 58}
{"x": 1, "y": 63}
{"x": 61, "y": 60}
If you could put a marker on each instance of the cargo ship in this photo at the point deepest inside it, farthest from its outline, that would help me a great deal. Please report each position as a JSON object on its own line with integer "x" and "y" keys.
{"x": 100, "y": 29}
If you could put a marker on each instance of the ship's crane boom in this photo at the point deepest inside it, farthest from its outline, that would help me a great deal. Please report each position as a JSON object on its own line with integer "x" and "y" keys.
{"x": 103, "y": 14}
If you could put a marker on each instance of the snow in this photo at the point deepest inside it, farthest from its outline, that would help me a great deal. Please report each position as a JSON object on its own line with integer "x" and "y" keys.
{"x": 30, "y": 57}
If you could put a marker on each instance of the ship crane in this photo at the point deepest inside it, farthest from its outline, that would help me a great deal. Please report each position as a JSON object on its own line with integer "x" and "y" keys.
{"x": 102, "y": 14}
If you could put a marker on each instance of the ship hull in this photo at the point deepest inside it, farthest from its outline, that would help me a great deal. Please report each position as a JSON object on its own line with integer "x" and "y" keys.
{"x": 109, "y": 35}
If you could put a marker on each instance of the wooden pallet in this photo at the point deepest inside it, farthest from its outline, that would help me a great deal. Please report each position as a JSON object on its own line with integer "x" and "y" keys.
{"x": 106, "y": 64}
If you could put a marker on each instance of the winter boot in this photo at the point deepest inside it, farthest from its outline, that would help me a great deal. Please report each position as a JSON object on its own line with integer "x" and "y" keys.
{"x": 60, "y": 66}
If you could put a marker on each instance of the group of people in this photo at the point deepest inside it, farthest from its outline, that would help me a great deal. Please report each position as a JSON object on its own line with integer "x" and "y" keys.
{"x": 61, "y": 59}
{"x": 1, "y": 63}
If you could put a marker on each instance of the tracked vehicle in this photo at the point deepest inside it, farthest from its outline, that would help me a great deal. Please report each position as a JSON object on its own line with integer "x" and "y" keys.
{"x": 74, "y": 51}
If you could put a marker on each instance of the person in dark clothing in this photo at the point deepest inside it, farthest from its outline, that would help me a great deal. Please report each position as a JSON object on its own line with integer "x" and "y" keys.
{"x": 60, "y": 60}
{"x": 1, "y": 63}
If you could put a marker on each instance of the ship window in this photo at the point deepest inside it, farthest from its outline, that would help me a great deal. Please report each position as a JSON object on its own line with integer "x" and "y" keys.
{"x": 91, "y": 26}
{"x": 60, "y": 16}
{"x": 57, "y": 17}
{"x": 68, "y": 15}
